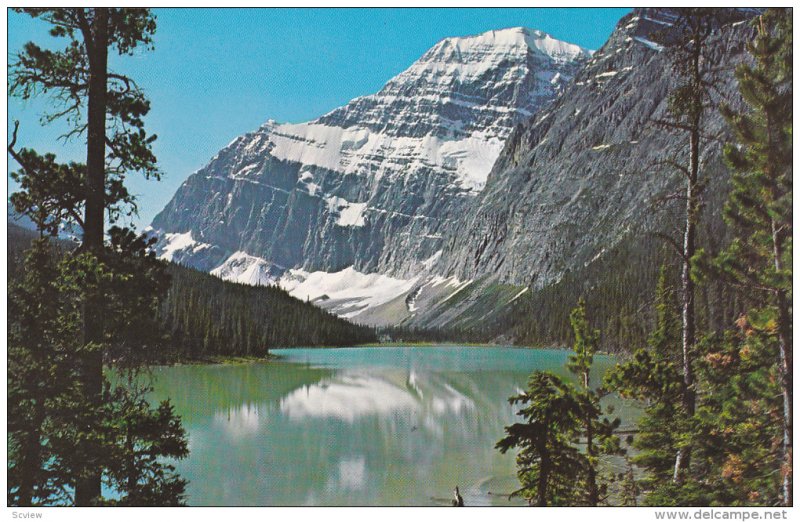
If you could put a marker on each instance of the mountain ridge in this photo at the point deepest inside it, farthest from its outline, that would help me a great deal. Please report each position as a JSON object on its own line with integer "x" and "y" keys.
{"x": 372, "y": 185}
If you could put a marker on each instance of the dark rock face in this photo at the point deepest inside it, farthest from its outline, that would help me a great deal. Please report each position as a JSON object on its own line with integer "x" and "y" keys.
{"x": 378, "y": 183}
{"x": 585, "y": 172}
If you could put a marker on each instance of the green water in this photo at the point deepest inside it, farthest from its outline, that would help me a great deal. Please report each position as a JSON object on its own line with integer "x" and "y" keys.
{"x": 354, "y": 426}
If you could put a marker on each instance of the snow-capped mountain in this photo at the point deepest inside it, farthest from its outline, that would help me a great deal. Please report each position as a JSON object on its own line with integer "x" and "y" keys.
{"x": 359, "y": 200}
{"x": 492, "y": 167}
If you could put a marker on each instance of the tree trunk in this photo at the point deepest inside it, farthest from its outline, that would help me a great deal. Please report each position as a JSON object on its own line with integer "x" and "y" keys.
{"x": 87, "y": 489}
{"x": 695, "y": 113}
{"x": 683, "y": 457}
{"x": 784, "y": 321}
{"x": 544, "y": 476}
{"x": 594, "y": 494}
{"x": 31, "y": 458}
{"x": 785, "y": 368}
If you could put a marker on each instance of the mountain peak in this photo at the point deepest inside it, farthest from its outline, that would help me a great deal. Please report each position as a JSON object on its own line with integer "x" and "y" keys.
{"x": 508, "y": 40}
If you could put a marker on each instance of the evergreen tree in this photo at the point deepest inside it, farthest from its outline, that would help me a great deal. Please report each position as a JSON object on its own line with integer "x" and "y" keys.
{"x": 113, "y": 289}
{"x": 137, "y": 472}
{"x": 39, "y": 369}
{"x": 548, "y": 462}
{"x": 652, "y": 375}
{"x": 759, "y": 209}
{"x": 689, "y": 101}
{"x": 551, "y": 469}
{"x": 738, "y": 448}
{"x": 598, "y": 431}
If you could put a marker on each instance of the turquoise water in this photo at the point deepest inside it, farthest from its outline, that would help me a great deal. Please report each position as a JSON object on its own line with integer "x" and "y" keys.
{"x": 354, "y": 426}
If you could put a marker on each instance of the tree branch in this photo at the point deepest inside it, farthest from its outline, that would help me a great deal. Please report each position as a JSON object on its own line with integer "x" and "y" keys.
{"x": 30, "y": 172}
{"x": 672, "y": 242}
{"x": 672, "y": 163}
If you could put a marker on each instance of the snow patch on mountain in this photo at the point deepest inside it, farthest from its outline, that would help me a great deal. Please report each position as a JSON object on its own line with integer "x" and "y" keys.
{"x": 244, "y": 268}
{"x": 349, "y": 214}
{"x": 175, "y": 244}
{"x": 353, "y": 151}
{"x": 346, "y": 293}
{"x": 465, "y": 56}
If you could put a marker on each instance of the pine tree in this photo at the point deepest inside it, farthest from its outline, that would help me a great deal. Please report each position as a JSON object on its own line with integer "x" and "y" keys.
{"x": 687, "y": 44}
{"x": 39, "y": 369}
{"x": 548, "y": 461}
{"x": 116, "y": 285}
{"x": 652, "y": 375}
{"x": 738, "y": 449}
{"x": 759, "y": 209}
{"x": 598, "y": 432}
{"x": 137, "y": 472}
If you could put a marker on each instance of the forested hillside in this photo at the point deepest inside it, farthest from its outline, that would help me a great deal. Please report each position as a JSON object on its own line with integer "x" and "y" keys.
{"x": 209, "y": 316}
{"x": 206, "y": 316}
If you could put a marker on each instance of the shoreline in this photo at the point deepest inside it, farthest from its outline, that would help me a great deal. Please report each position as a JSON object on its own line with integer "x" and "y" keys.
{"x": 272, "y": 357}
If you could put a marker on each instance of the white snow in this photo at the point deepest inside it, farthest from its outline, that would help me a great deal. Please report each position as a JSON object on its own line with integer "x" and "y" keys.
{"x": 312, "y": 189}
{"x": 428, "y": 263}
{"x": 459, "y": 285}
{"x": 660, "y": 22}
{"x": 306, "y": 180}
{"x": 346, "y": 293}
{"x": 494, "y": 45}
{"x": 173, "y": 244}
{"x": 333, "y": 148}
{"x": 349, "y": 214}
{"x": 607, "y": 74}
{"x": 241, "y": 267}
{"x": 520, "y": 294}
{"x": 353, "y": 291}
{"x": 468, "y": 154}
{"x": 648, "y": 43}
{"x": 596, "y": 257}
{"x": 352, "y": 215}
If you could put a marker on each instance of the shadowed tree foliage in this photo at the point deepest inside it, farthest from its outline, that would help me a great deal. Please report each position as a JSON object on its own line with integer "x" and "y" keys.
{"x": 550, "y": 467}
{"x": 652, "y": 375}
{"x": 206, "y": 317}
{"x": 597, "y": 431}
{"x": 759, "y": 209}
{"x": 110, "y": 287}
{"x": 548, "y": 461}
{"x": 40, "y": 346}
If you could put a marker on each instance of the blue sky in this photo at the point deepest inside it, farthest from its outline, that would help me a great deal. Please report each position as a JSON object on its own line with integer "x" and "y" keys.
{"x": 218, "y": 73}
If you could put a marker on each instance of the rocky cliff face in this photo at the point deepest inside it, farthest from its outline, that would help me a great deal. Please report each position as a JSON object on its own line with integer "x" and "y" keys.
{"x": 588, "y": 170}
{"x": 377, "y": 184}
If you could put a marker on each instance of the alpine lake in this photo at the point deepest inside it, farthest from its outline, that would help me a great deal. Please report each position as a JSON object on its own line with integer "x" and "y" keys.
{"x": 387, "y": 426}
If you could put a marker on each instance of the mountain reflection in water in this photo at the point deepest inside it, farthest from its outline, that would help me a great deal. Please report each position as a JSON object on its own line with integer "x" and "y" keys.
{"x": 360, "y": 426}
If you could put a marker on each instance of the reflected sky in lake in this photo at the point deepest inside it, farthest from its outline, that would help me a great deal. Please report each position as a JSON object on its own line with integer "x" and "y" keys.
{"x": 360, "y": 426}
